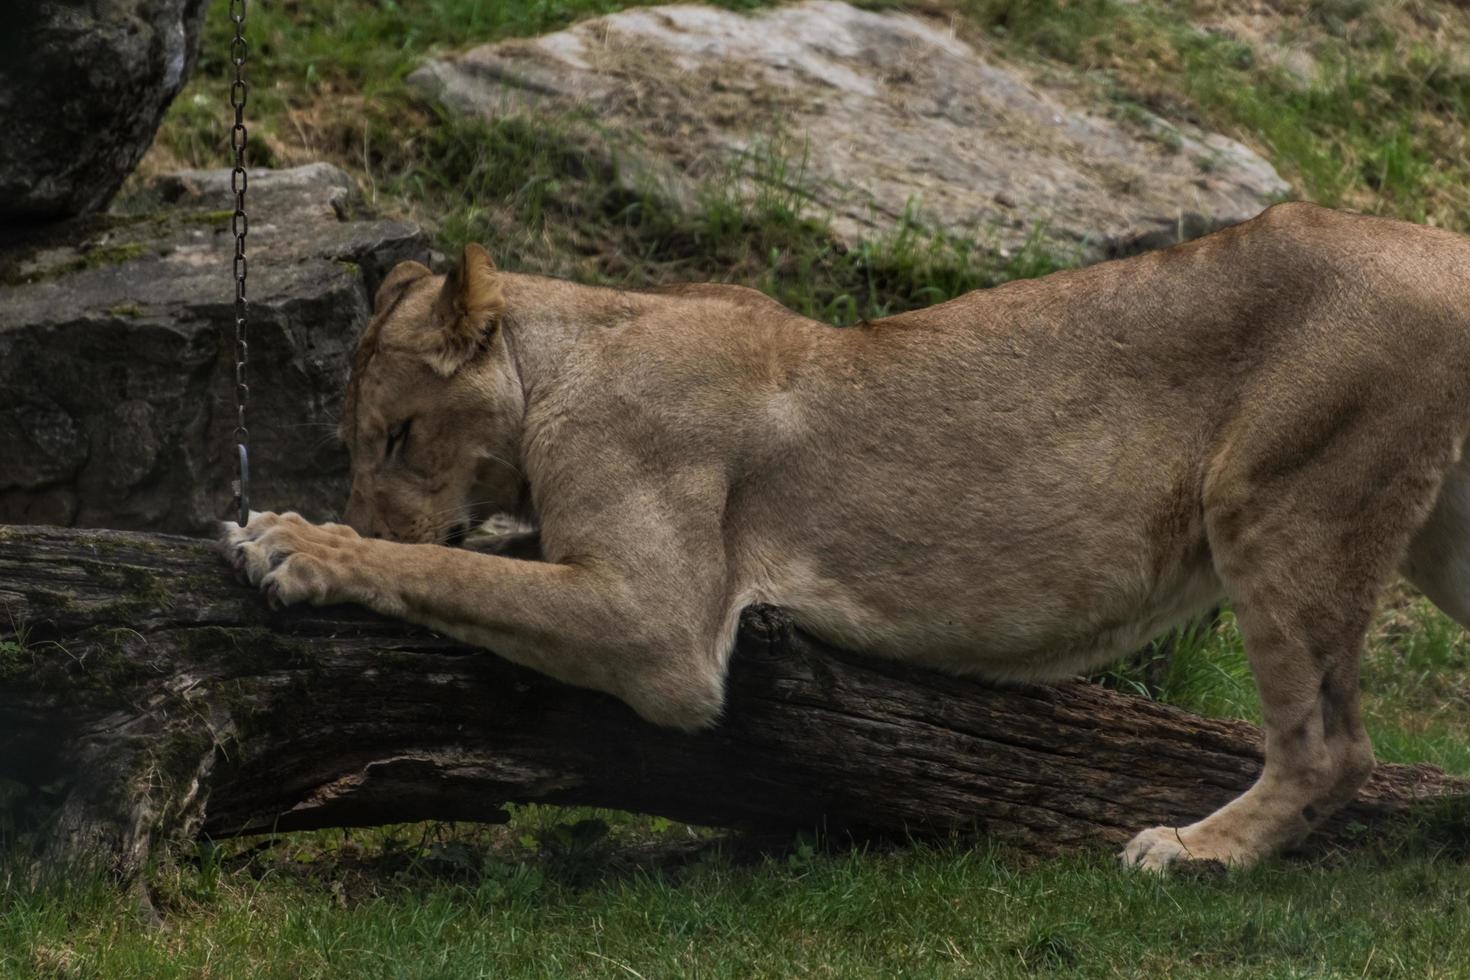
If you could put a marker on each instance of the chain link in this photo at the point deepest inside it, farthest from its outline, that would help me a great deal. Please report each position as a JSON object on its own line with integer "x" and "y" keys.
{"x": 240, "y": 225}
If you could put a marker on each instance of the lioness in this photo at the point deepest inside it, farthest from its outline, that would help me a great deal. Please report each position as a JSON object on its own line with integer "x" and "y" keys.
{"x": 1023, "y": 482}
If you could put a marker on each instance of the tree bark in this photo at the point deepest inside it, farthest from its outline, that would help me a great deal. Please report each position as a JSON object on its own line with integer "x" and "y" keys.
{"x": 145, "y": 693}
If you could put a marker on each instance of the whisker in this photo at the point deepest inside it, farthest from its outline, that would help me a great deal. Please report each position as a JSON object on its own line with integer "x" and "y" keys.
{"x": 503, "y": 462}
{"x": 457, "y": 510}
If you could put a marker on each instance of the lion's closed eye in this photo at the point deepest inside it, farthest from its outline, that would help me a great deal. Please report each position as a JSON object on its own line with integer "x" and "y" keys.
{"x": 397, "y": 439}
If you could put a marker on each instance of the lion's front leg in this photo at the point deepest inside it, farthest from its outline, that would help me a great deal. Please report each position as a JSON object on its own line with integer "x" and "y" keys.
{"x": 647, "y": 631}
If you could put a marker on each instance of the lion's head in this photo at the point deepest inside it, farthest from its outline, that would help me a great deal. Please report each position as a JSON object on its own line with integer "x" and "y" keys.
{"x": 434, "y": 406}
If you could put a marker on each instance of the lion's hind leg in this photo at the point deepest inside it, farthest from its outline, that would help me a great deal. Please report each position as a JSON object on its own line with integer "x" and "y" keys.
{"x": 1303, "y": 639}
{"x": 1303, "y": 554}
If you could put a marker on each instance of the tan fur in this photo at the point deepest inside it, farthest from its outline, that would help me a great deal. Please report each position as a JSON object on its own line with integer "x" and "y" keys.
{"x": 1023, "y": 482}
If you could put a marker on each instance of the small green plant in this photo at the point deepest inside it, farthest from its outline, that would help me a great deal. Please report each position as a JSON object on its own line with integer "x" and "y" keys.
{"x": 15, "y": 652}
{"x": 1201, "y": 667}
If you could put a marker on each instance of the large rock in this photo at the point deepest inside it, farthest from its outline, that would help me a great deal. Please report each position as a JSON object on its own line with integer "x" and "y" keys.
{"x": 875, "y": 114}
{"x": 116, "y": 351}
{"x": 83, "y": 87}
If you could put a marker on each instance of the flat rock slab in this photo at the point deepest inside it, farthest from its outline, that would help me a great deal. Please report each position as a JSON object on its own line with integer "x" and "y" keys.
{"x": 877, "y": 115}
{"x": 117, "y": 350}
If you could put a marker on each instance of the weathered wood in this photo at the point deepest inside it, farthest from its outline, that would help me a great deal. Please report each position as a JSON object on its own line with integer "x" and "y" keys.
{"x": 144, "y": 692}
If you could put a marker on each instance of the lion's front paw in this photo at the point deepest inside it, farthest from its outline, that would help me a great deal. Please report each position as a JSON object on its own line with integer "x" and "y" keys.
{"x": 291, "y": 559}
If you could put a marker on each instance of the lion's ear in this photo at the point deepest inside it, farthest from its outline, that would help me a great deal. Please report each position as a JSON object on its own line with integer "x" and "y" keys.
{"x": 467, "y": 312}
{"x": 396, "y": 281}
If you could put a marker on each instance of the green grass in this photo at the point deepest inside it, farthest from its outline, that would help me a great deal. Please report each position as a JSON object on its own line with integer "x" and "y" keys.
{"x": 1201, "y": 668}
{"x": 958, "y": 910}
{"x": 302, "y": 49}
{"x": 546, "y": 203}
{"x": 1415, "y": 681}
{"x": 1380, "y": 125}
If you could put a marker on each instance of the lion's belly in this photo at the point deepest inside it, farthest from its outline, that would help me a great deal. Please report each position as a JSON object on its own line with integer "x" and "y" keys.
{"x": 1004, "y": 616}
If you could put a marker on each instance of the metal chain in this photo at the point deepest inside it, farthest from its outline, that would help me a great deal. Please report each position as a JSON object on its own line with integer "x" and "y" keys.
{"x": 240, "y": 224}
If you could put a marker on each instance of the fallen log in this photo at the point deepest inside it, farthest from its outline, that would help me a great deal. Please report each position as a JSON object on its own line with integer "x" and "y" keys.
{"x": 145, "y": 693}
